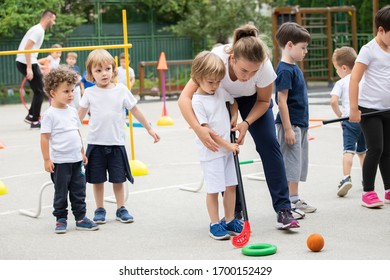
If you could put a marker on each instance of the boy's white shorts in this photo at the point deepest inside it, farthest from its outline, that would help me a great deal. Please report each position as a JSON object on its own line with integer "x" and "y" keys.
{"x": 219, "y": 173}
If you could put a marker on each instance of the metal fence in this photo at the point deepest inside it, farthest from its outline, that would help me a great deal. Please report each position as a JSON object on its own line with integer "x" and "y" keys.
{"x": 144, "y": 48}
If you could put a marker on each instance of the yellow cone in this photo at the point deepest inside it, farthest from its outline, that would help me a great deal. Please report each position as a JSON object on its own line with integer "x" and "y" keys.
{"x": 3, "y": 188}
{"x": 165, "y": 121}
{"x": 138, "y": 168}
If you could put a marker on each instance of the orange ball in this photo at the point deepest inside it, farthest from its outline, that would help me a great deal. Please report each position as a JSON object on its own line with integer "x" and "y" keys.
{"x": 315, "y": 242}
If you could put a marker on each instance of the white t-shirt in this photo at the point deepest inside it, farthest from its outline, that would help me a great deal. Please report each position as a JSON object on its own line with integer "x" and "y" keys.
{"x": 107, "y": 108}
{"x": 122, "y": 75}
{"x": 211, "y": 110}
{"x": 374, "y": 88}
{"x": 65, "y": 140}
{"x": 263, "y": 77}
{"x": 35, "y": 34}
{"x": 54, "y": 62}
{"x": 341, "y": 90}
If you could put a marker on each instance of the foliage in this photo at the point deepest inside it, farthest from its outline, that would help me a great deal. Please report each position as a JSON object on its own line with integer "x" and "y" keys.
{"x": 215, "y": 20}
{"x": 363, "y": 9}
{"x": 17, "y": 16}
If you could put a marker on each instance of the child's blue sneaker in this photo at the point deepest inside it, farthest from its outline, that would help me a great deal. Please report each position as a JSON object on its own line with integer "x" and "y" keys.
{"x": 60, "y": 225}
{"x": 86, "y": 224}
{"x": 218, "y": 232}
{"x": 123, "y": 215}
{"x": 100, "y": 216}
{"x": 234, "y": 227}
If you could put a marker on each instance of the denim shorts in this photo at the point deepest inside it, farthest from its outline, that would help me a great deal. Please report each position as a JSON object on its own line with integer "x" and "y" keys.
{"x": 107, "y": 159}
{"x": 353, "y": 138}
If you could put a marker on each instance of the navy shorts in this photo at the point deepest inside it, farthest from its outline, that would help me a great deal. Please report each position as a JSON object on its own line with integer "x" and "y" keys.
{"x": 353, "y": 138}
{"x": 107, "y": 159}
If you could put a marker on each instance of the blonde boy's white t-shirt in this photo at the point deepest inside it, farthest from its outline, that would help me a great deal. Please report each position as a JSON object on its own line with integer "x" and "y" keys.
{"x": 107, "y": 108}
{"x": 374, "y": 88}
{"x": 264, "y": 76}
{"x": 65, "y": 141}
{"x": 211, "y": 110}
{"x": 341, "y": 90}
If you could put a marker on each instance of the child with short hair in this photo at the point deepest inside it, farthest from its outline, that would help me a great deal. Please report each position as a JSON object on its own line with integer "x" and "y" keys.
{"x": 209, "y": 105}
{"x": 62, "y": 150}
{"x": 370, "y": 95}
{"x": 71, "y": 59}
{"x": 122, "y": 71}
{"x": 106, "y": 151}
{"x": 353, "y": 139}
{"x": 292, "y": 120}
{"x": 52, "y": 61}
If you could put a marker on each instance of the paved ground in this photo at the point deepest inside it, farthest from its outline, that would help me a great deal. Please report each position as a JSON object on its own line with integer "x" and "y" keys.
{"x": 171, "y": 224}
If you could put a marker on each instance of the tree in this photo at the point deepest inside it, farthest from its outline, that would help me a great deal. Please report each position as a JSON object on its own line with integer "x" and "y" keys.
{"x": 17, "y": 16}
{"x": 215, "y": 20}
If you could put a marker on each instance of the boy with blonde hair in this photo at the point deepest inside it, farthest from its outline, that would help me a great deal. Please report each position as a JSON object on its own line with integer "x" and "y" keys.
{"x": 353, "y": 139}
{"x": 209, "y": 105}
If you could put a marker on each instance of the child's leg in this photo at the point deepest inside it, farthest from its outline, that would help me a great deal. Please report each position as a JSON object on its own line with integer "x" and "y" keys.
{"x": 98, "y": 192}
{"x": 212, "y": 207}
{"x": 293, "y": 191}
{"x": 361, "y": 158}
{"x": 77, "y": 191}
{"x": 372, "y": 128}
{"x": 229, "y": 201}
{"x": 347, "y": 163}
{"x": 119, "y": 194}
{"x": 60, "y": 202}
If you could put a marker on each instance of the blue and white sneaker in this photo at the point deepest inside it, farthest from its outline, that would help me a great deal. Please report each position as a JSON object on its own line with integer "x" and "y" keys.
{"x": 61, "y": 225}
{"x": 100, "y": 216}
{"x": 218, "y": 232}
{"x": 234, "y": 227}
{"x": 86, "y": 224}
{"x": 123, "y": 215}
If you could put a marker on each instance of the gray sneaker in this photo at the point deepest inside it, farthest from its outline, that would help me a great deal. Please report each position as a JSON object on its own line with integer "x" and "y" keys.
{"x": 344, "y": 186}
{"x": 303, "y": 206}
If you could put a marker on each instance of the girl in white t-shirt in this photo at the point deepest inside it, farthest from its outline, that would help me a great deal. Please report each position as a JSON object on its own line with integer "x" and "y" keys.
{"x": 371, "y": 95}
{"x": 52, "y": 61}
{"x": 106, "y": 151}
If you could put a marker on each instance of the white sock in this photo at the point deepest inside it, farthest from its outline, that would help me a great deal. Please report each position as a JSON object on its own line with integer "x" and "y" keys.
{"x": 294, "y": 198}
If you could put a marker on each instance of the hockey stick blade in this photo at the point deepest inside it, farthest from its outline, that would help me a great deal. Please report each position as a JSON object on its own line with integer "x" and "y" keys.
{"x": 242, "y": 239}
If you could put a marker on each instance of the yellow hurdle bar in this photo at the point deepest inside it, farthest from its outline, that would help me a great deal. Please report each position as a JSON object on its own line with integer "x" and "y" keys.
{"x": 85, "y": 48}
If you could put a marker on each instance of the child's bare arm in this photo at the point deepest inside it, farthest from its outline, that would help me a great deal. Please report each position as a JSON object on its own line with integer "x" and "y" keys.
{"x": 289, "y": 135}
{"x": 142, "y": 119}
{"x": 334, "y": 103}
{"x": 82, "y": 112}
{"x": 49, "y": 165}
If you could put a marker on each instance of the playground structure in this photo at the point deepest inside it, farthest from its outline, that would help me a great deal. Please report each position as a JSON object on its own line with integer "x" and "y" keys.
{"x": 330, "y": 28}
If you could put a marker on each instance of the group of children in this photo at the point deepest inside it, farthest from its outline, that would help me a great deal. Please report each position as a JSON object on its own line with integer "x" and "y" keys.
{"x": 107, "y": 101}
{"x": 62, "y": 147}
{"x": 362, "y": 89}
